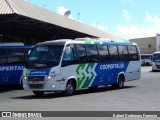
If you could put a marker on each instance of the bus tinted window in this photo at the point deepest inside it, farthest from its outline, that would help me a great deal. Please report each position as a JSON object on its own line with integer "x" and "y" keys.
{"x": 133, "y": 54}
{"x": 16, "y": 56}
{"x": 103, "y": 52}
{"x": 156, "y": 57}
{"x": 146, "y": 56}
{"x": 92, "y": 53}
{"x": 113, "y": 53}
{"x": 123, "y": 53}
{"x": 3, "y": 58}
{"x": 82, "y": 53}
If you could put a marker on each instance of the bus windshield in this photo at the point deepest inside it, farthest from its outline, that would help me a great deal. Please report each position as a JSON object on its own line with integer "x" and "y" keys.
{"x": 44, "y": 56}
{"x": 156, "y": 57}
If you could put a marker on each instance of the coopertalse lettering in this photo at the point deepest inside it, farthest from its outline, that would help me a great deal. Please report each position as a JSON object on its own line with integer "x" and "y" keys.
{"x": 111, "y": 66}
{"x": 11, "y": 68}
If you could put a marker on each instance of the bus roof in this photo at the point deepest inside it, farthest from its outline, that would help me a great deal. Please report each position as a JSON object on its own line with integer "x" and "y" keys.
{"x": 84, "y": 41}
{"x": 26, "y": 46}
{"x": 146, "y": 54}
{"x": 57, "y": 42}
{"x": 158, "y": 52}
{"x": 11, "y": 44}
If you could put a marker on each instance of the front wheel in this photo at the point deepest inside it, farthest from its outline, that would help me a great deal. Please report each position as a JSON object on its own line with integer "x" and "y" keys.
{"x": 70, "y": 88}
{"x": 120, "y": 83}
{"x": 38, "y": 93}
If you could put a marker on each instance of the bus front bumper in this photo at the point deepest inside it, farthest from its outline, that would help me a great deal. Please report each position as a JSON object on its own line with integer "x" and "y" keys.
{"x": 47, "y": 85}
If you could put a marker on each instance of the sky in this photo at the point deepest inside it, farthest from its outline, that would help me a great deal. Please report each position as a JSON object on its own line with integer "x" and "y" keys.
{"x": 127, "y": 19}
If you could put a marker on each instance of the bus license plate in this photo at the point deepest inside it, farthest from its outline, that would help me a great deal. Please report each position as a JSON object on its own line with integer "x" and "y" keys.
{"x": 35, "y": 82}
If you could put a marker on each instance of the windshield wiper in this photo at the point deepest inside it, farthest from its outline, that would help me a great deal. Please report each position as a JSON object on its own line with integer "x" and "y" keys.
{"x": 40, "y": 64}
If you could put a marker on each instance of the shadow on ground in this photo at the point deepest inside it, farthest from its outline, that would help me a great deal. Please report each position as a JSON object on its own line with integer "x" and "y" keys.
{"x": 79, "y": 92}
{"x": 7, "y": 88}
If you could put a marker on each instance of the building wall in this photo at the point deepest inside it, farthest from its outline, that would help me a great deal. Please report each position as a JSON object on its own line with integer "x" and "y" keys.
{"x": 146, "y": 45}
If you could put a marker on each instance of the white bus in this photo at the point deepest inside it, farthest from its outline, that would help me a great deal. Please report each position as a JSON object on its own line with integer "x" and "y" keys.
{"x": 156, "y": 61}
{"x": 69, "y": 65}
{"x": 146, "y": 59}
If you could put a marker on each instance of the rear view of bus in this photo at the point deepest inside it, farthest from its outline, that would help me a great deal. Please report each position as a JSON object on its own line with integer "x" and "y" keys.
{"x": 70, "y": 65}
{"x": 156, "y": 61}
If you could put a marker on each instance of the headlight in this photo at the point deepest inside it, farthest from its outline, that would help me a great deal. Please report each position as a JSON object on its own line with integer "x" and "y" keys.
{"x": 25, "y": 77}
{"x": 49, "y": 77}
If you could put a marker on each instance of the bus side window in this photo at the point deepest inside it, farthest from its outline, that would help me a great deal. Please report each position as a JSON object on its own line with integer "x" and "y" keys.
{"x": 123, "y": 52}
{"x": 92, "y": 53}
{"x": 133, "y": 54}
{"x": 103, "y": 53}
{"x": 16, "y": 56}
{"x": 3, "y": 57}
{"x": 113, "y": 52}
{"x": 68, "y": 58}
{"x": 82, "y": 55}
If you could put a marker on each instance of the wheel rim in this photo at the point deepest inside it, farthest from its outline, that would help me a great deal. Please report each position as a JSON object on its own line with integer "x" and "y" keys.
{"x": 69, "y": 88}
{"x": 121, "y": 83}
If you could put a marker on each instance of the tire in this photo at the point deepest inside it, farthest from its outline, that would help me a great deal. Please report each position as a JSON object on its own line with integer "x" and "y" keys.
{"x": 70, "y": 88}
{"x": 147, "y": 64}
{"x": 38, "y": 93}
{"x": 120, "y": 83}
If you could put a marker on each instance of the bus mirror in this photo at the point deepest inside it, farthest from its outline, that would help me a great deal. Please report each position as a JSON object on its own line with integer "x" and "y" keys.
{"x": 29, "y": 51}
{"x": 68, "y": 49}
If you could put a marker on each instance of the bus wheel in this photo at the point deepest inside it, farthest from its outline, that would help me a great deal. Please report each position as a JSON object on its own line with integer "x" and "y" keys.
{"x": 38, "y": 93}
{"x": 147, "y": 64}
{"x": 120, "y": 83}
{"x": 70, "y": 88}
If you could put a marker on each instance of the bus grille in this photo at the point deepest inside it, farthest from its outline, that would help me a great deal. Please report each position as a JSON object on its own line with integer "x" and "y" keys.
{"x": 36, "y": 82}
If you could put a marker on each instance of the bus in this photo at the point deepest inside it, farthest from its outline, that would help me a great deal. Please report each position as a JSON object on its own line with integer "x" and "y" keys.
{"x": 12, "y": 59}
{"x": 69, "y": 65}
{"x": 156, "y": 61}
{"x": 146, "y": 59}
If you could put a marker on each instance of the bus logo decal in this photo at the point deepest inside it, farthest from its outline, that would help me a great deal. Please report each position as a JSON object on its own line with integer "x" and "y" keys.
{"x": 86, "y": 74}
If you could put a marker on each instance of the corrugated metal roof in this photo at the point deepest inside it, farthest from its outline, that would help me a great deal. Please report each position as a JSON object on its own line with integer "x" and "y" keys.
{"x": 5, "y": 7}
{"x": 27, "y": 9}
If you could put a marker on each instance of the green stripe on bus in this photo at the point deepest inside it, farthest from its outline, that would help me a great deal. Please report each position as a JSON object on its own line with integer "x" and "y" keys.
{"x": 87, "y": 42}
{"x": 88, "y": 81}
{"x": 96, "y": 42}
{"x": 80, "y": 80}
